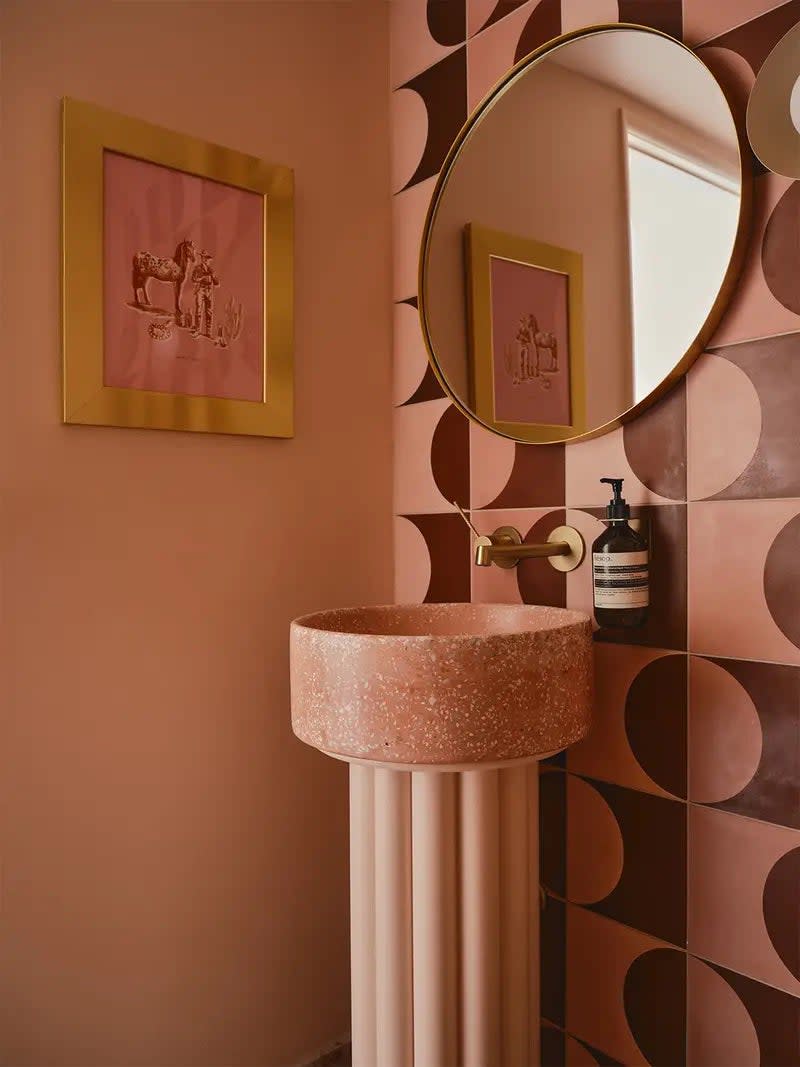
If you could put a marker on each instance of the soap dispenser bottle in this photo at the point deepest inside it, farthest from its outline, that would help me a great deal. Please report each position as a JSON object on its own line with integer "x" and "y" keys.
{"x": 620, "y": 567}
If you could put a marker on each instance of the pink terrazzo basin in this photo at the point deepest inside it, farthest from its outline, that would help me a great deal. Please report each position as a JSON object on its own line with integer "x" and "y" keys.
{"x": 442, "y": 683}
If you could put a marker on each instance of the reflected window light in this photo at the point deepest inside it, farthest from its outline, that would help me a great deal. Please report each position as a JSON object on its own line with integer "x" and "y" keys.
{"x": 675, "y": 275}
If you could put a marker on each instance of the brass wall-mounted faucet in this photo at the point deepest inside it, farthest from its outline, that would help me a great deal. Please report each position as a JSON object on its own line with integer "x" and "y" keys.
{"x": 564, "y": 548}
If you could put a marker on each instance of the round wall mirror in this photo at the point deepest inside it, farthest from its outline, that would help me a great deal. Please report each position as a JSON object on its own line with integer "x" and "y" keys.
{"x": 583, "y": 236}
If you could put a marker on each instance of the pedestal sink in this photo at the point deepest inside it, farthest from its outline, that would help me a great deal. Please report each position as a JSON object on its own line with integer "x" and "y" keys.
{"x": 442, "y": 711}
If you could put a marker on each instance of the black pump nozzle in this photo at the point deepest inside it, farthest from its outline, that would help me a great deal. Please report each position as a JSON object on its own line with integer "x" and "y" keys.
{"x": 616, "y": 508}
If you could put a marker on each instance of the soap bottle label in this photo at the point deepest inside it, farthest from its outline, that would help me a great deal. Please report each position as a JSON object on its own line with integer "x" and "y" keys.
{"x": 621, "y": 579}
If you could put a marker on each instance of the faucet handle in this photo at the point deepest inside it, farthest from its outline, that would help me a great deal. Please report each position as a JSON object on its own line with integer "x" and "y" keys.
{"x": 465, "y": 517}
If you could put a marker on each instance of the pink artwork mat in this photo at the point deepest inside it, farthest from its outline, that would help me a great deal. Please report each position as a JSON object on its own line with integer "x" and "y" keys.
{"x": 530, "y": 343}
{"x": 157, "y": 222}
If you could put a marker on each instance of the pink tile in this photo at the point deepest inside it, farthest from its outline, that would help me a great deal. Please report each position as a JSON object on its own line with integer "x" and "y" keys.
{"x": 412, "y": 48}
{"x": 408, "y": 219}
{"x": 415, "y": 489}
{"x": 724, "y": 424}
{"x": 729, "y": 542}
{"x": 606, "y": 753}
{"x": 478, "y": 14}
{"x": 410, "y": 359}
{"x": 409, "y": 126}
{"x": 704, "y": 19}
{"x": 412, "y": 563}
{"x": 600, "y": 953}
{"x": 725, "y": 739}
{"x": 575, "y": 14}
{"x": 589, "y": 461}
{"x": 730, "y": 859}
{"x": 754, "y": 311}
{"x": 491, "y": 463}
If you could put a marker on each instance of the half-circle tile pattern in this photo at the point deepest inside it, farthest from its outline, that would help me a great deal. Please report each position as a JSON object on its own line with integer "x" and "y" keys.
{"x": 650, "y": 894}
{"x": 448, "y": 541}
{"x": 772, "y": 792}
{"x": 409, "y": 125}
{"x": 450, "y": 456}
{"x": 655, "y": 445}
{"x": 595, "y": 851}
{"x": 536, "y": 479}
{"x": 755, "y": 39}
{"x": 782, "y": 580}
{"x": 543, "y": 25}
{"x": 484, "y": 13}
{"x": 606, "y": 752}
{"x": 782, "y": 909}
{"x": 443, "y": 89}
{"x": 730, "y": 860}
{"x": 780, "y": 252}
{"x": 414, "y": 381}
{"x": 656, "y": 722}
{"x": 719, "y": 394}
{"x": 538, "y": 582}
{"x": 719, "y": 1028}
{"x": 773, "y": 367}
{"x": 655, "y": 1005}
{"x": 775, "y": 1016}
{"x": 447, "y": 22}
{"x": 412, "y": 563}
{"x": 725, "y": 737}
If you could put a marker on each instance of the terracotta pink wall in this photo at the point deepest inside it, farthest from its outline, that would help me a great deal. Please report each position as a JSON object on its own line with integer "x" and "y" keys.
{"x": 671, "y": 834}
{"x": 174, "y": 861}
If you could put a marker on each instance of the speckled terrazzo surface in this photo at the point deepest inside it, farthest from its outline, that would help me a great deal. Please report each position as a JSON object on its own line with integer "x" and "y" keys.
{"x": 441, "y": 683}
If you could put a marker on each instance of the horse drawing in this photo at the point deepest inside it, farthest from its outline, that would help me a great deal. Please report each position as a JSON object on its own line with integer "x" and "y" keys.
{"x": 147, "y": 266}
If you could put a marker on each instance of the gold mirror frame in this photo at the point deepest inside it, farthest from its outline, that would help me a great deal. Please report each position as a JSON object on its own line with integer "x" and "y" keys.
{"x": 552, "y": 434}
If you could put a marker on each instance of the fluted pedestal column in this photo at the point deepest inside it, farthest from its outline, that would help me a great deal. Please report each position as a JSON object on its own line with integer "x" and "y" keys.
{"x": 445, "y": 917}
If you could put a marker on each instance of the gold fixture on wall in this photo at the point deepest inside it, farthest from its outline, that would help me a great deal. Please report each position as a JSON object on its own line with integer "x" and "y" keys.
{"x": 564, "y": 549}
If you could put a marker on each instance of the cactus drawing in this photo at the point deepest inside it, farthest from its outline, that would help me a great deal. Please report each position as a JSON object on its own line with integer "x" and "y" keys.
{"x": 231, "y": 325}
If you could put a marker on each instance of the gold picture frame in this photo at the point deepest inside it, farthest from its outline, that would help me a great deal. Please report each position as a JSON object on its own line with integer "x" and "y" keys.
{"x": 485, "y": 250}
{"x": 88, "y": 134}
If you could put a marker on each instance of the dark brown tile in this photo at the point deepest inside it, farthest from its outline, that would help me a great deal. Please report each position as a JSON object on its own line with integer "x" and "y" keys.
{"x": 775, "y": 1016}
{"x": 782, "y": 909}
{"x": 651, "y": 892}
{"x": 666, "y": 625}
{"x": 664, "y": 15}
{"x": 754, "y": 40}
{"x": 655, "y": 1005}
{"x": 552, "y": 948}
{"x": 773, "y": 793}
{"x": 448, "y": 541}
{"x": 443, "y": 88}
{"x": 450, "y": 455}
{"x": 656, "y": 721}
{"x": 538, "y": 582}
{"x": 552, "y": 831}
{"x": 543, "y": 25}
{"x": 447, "y": 21}
{"x": 537, "y": 478}
{"x": 655, "y": 445}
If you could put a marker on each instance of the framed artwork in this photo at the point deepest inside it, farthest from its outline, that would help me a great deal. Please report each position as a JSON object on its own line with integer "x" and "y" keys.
{"x": 525, "y": 330}
{"x": 177, "y": 280}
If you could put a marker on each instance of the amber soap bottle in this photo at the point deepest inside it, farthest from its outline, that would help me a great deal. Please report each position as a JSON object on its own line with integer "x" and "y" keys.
{"x": 620, "y": 567}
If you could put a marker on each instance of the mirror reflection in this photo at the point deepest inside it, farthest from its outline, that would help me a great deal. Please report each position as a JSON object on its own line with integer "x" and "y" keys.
{"x": 582, "y": 237}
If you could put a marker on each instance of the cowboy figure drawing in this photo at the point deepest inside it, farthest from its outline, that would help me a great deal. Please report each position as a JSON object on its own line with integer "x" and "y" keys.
{"x": 204, "y": 280}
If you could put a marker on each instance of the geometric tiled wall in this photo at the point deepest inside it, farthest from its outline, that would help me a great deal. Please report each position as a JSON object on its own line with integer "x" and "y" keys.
{"x": 671, "y": 836}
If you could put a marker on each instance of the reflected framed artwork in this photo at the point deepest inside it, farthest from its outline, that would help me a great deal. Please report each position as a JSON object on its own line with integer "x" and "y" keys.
{"x": 177, "y": 280}
{"x": 525, "y": 331}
